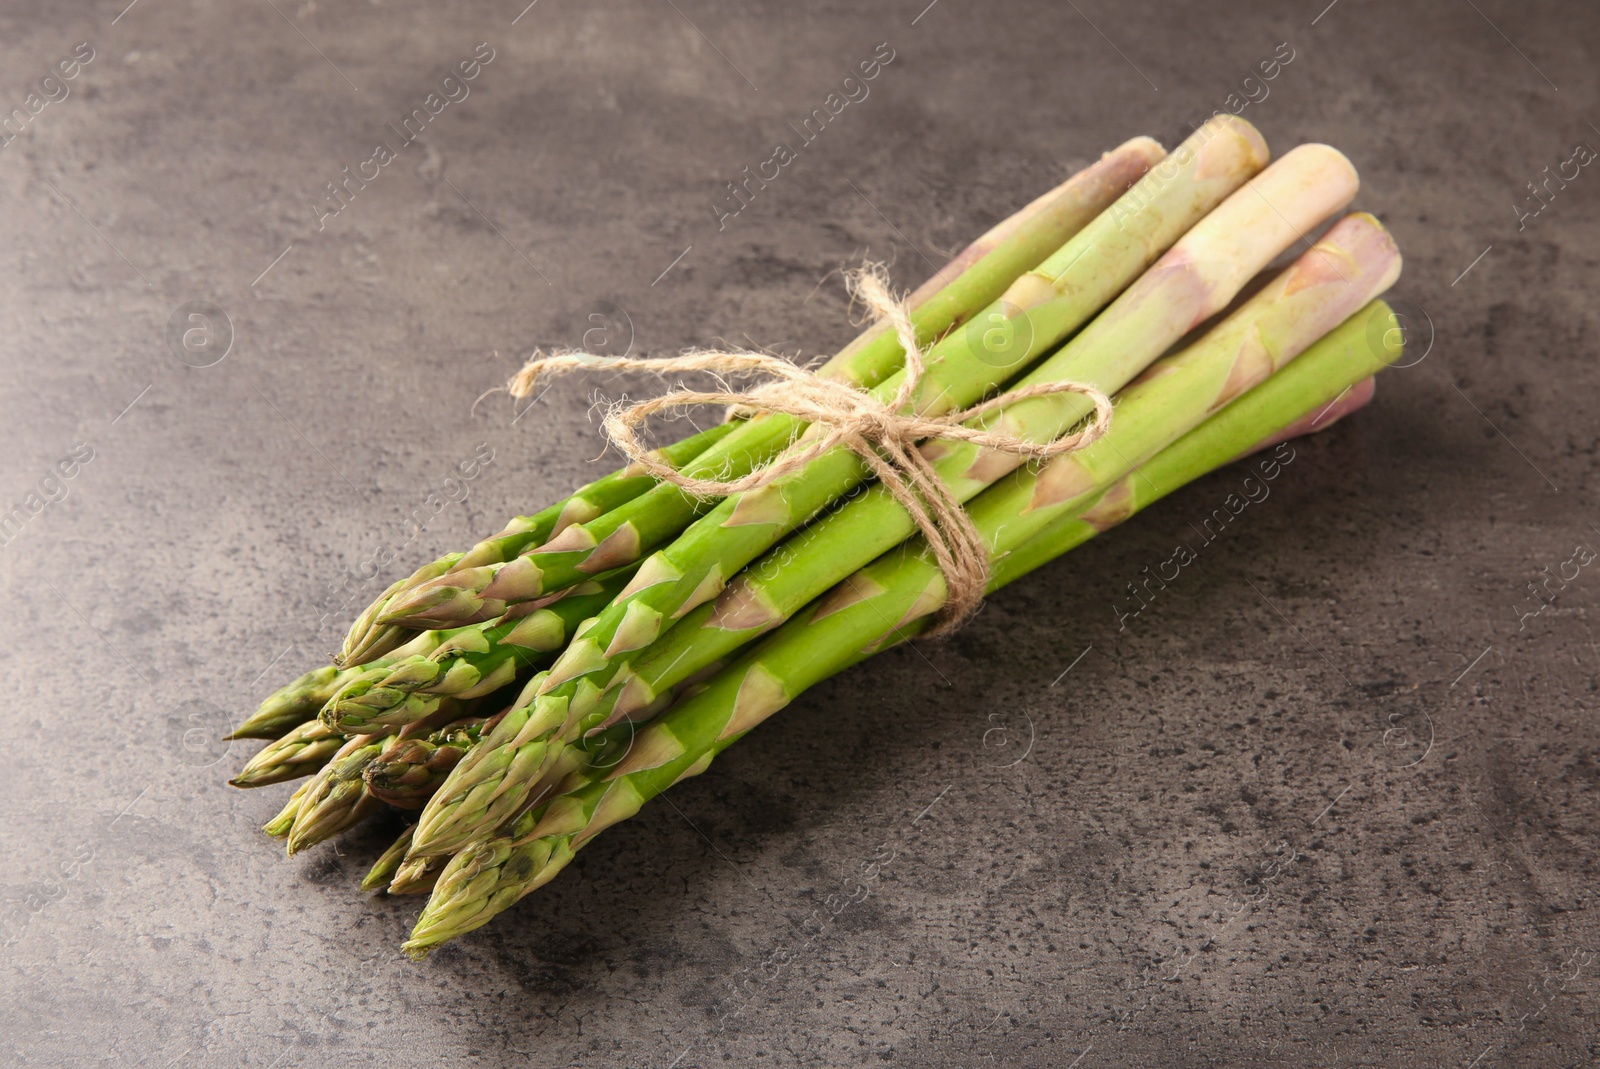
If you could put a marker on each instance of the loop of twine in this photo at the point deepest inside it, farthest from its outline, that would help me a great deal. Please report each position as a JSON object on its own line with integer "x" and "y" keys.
{"x": 880, "y": 433}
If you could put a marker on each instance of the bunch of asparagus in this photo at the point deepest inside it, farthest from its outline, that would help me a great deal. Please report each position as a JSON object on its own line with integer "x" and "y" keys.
{"x": 528, "y": 693}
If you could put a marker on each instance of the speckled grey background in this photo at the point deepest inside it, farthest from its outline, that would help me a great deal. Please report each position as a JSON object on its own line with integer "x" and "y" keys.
{"x": 1331, "y": 801}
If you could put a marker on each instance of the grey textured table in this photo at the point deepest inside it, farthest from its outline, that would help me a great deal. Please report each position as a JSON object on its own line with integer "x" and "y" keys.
{"x": 1331, "y": 800}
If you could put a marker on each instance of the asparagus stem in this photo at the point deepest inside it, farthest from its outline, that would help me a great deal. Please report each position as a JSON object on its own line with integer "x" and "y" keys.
{"x": 1351, "y": 401}
{"x": 369, "y": 639}
{"x": 1061, "y": 294}
{"x": 416, "y": 875}
{"x": 383, "y": 870}
{"x": 466, "y": 662}
{"x": 522, "y": 766}
{"x": 578, "y": 767}
{"x": 301, "y": 752}
{"x": 1083, "y": 275}
{"x": 1355, "y": 261}
{"x": 278, "y": 827}
{"x": 981, "y": 272}
{"x": 630, "y": 531}
{"x": 879, "y": 606}
{"x": 596, "y": 499}
{"x": 292, "y": 705}
{"x": 1170, "y": 469}
{"x": 408, "y": 772}
{"x": 337, "y": 797}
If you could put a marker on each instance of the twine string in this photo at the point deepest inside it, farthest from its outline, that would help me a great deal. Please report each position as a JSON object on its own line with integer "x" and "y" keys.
{"x": 883, "y": 434}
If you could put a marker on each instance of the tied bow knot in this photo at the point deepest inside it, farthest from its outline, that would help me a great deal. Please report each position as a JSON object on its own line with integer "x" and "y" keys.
{"x": 884, "y": 434}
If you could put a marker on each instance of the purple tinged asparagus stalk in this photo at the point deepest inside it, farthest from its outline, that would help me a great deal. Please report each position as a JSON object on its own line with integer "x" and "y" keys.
{"x": 1168, "y": 470}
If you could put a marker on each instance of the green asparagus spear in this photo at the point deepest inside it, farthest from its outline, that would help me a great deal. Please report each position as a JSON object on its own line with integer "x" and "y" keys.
{"x": 1168, "y": 470}
{"x": 625, "y": 534}
{"x": 416, "y": 875}
{"x": 292, "y": 705}
{"x": 1197, "y": 278}
{"x": 383, "y": 870}
{"x": 579, "y": 766}
{"x": 1017, "y": 241}
{"x": 408, "y": 772}
{"x": 368, "y": 639}
{"x": 596, "y": 499}
{"x": 301, "y": 752}
{"x": 337, "y": 797}
{"x": 466, "y": 662}
{"x": 880, "y": 606}
{"x": 278, "y": 827}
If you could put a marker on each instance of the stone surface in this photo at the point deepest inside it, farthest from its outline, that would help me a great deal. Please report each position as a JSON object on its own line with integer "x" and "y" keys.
{"x": 1330, "y": 799}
